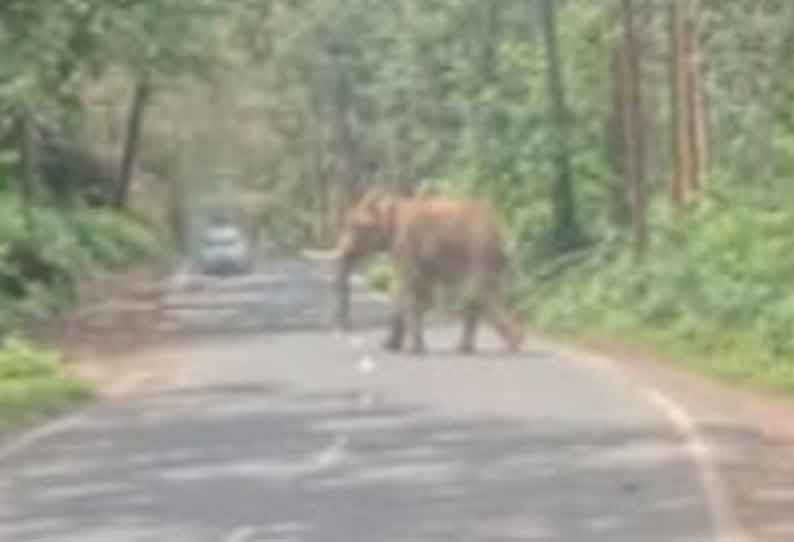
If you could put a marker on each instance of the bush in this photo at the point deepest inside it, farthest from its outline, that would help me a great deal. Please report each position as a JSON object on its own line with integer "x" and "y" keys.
{"x": 20, "y": 360}
{"x": 380, "y": 275}
{"x": 708, "y": 291}
{"x": 39, "y": 268}
{"x": 111, "y": 239}
{"x": 32, "y": 383}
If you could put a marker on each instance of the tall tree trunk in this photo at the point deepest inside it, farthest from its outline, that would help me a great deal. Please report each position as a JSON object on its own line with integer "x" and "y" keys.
{"x": 616, "y": 141}
{"x": 633, "y": 129}
{"x": 566, "y": 229}
{"x": 681, "y": 148}
{"x": 702, "y": 105}
{"x": 689, "y": 40}
{"x": 132, "y": 139}
{"x": 690, "y": 132}
{"x": 702, "y": 116}
{"x": 177, "y": 204}
{"x": 703, "y": 122}
{"x": 29, "y": 170}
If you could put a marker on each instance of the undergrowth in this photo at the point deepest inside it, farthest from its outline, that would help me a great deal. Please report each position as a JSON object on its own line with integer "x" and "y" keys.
{"x": 713, "y": 291}
{"x": 42, "y": 260}
{"x": 32, "y": 383}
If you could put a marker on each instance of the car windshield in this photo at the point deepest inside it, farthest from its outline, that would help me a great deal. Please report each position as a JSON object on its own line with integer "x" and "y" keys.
{"x": 222, "y": 235}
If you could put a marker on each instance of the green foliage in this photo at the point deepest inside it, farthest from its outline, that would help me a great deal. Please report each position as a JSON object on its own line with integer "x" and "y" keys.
{"x": 18, "y": 360}
{"x": 32, "y": 382}
{"x": 111, "y": 239}
{"x": 711, "y": 293}
{"x": 39, "y": 269}
{"x": 380, "y": 275}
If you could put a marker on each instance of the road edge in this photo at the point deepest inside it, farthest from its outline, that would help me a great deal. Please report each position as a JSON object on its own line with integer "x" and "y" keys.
{"x": 726, "y": 526}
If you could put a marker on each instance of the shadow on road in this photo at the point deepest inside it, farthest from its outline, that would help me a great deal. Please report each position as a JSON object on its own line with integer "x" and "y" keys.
{"x": 259, "y": 463}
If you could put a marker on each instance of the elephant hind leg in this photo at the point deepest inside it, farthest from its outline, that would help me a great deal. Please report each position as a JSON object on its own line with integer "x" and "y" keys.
{"x": 414, "y": 299}
{"x": 471, "y": 320}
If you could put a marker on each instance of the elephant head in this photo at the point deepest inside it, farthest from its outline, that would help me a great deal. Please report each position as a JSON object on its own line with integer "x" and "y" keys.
{"x": 368, "y": 229}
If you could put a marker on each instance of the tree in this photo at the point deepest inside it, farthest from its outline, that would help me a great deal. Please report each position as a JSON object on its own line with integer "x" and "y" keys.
{"x": 566, "y": 230}
{"x": 131, "y": 140}
{"x": 690, "y": 116}
{"x": 632, "y": 126}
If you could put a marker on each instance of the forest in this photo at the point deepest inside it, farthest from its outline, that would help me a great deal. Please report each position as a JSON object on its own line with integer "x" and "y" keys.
{"x": 640, "y": 151}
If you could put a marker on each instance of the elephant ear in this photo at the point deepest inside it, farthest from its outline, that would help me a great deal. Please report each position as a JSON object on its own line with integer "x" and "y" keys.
{"x": 378, "y": 207}
{"x": 386, "y": 213}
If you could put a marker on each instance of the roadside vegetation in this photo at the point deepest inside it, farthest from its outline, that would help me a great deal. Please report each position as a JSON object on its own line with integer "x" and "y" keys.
{"x": 40, "y": 269}
{"x": 33, "y": 383}
{"x": 64, "y": 214}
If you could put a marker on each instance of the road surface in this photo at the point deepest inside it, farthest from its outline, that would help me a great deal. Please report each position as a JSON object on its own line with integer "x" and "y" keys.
{"x": 295, "y": 433}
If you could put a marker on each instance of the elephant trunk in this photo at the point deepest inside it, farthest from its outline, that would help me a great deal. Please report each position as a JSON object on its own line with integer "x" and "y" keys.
{"x": 343, "y": 258}
{"x": 343, "y": 293}
{"x": 346, "y": 259}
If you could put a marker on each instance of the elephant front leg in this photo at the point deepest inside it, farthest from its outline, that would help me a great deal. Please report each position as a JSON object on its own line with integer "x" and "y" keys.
{"x": 394, "y": 341}
{"x": 418, "y": 300}
{"x": 413, "y": 323}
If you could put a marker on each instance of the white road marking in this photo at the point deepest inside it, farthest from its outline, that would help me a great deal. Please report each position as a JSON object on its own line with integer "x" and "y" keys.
{"x": 366, "y": 365}
{"x": 726, "y": 526}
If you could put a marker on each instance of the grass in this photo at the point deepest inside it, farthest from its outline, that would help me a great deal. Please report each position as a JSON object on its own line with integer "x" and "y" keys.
{"x": 33, "y": 384}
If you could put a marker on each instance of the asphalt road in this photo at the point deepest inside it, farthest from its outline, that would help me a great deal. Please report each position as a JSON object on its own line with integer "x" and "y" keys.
{"x": 299, "y": 434}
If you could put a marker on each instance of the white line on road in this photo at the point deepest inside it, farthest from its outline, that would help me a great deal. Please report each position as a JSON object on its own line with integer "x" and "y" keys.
{"x": 726, "y": 526}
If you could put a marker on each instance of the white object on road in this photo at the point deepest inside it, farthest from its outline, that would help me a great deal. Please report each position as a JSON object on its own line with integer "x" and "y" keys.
{"x": 333, "y": 455}
{"x": 366, "y": 365}
{"x": 241, "y": 534}
{"x": 367, "y": 400}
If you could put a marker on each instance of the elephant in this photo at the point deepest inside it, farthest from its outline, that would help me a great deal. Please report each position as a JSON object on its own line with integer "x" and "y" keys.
{"x": 433, "y": 241}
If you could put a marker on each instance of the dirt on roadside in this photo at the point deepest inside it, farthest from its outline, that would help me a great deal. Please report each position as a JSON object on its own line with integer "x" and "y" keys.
{"x": 117, "y": 317}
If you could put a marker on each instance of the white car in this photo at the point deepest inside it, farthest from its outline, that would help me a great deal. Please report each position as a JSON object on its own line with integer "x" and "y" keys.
{"x": 224, "y": 251}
